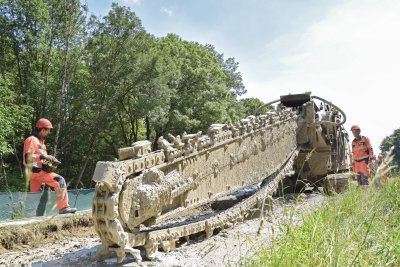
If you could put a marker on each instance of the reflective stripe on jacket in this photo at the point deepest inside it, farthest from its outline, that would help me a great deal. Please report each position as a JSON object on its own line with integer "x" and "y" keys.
{"x": 34, "y": 147}
{"x": 362, "y": 149}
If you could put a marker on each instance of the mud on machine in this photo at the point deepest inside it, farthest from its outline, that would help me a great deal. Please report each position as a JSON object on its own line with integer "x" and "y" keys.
{"x": 154, "y": 199}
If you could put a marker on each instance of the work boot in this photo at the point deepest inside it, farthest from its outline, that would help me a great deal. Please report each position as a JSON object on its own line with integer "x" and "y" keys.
{"x": 67, "y": 210}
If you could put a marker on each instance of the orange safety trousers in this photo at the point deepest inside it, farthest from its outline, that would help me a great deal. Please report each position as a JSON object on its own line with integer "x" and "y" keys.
{"x": 55, "y": 181}
{"x": 361, "y": 166}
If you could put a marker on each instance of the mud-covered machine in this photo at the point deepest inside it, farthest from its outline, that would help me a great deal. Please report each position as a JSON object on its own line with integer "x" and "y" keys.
{"x": 203, "y": 183}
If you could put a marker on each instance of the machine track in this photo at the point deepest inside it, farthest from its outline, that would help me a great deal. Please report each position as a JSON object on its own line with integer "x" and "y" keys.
{"x": 153, "y": 238}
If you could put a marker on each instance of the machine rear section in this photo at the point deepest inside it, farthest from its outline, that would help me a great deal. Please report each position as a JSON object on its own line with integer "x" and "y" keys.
{"x": 324, "y": 152}
{"x": 153, "y": 199}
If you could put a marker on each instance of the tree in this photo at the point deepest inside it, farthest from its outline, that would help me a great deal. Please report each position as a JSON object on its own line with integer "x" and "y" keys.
{"x": 112, "y": 56}
{"x": 104, "y": 83}
{"x": 390, "y": 141}
{"x": 70, "y": 28}
{"x": 13, "y": 125}
{"x": 233, "y": 78}
{"x": 200, "y": 86}
{"x": 24, "y": 31}
{"x": 251, "y": 104}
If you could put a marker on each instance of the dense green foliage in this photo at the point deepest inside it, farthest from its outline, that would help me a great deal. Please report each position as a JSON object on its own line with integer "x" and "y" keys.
{"x": 251, "y": 105}
{"x": 104, "y": 83}
{"x": 392, "y": 142}
{"x": 357, "y": 228}
{"x": 12, "y": 121}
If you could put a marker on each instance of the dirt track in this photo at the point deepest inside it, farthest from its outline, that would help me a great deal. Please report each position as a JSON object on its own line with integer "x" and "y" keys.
{"x": 226, "y": 248}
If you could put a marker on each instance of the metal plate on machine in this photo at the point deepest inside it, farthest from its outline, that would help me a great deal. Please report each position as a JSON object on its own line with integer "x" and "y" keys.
{"x": 295, "y": 100}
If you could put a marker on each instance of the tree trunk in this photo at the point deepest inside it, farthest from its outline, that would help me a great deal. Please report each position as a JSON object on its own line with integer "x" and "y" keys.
{"x": 121, "y": 124}
{"x": 158, "y": 135}
{"x": 87, "y": 158}
{"x": 47, "y": 63}
{"x": 21, "y": 172}
{"x": 148, "y": 130}
{"x": 135, "y": 131}
{"x": 82, "y": 172}
{"x": 63, "y": 87}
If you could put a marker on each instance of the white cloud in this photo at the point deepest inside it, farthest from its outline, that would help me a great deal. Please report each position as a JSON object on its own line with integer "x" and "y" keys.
{"x": 167, "y": 11}
{"x": 351, "y": 57}
{"x": 134, "y": 2}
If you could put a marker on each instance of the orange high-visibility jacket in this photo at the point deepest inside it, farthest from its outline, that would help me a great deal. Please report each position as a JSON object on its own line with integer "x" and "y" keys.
{"x": 34, "y": 147}
{"x": 362, "y": 149}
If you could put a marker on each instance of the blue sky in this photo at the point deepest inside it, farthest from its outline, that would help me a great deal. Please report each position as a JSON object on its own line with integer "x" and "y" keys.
{"x": 345, "y": 51}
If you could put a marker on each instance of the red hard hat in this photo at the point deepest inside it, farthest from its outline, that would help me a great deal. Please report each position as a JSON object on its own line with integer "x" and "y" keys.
{"x": 44, "y": 123}
{"x": 355, "y": 127}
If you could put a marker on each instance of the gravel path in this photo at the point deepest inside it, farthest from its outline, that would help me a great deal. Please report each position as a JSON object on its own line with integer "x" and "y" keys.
{"x": 225, "y": 249}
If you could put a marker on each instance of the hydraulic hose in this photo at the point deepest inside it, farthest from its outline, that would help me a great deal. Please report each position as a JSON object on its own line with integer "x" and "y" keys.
{"x": 330, "y": 103}
{"x": 316, "y": 97}
{"x": 263, "y": 105}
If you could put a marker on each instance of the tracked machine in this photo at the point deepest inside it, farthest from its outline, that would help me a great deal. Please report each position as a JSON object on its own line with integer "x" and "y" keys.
{"x": 204, "y": 183}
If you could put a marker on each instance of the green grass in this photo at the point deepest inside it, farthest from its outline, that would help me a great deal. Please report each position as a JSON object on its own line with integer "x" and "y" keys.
{"x": 356, "y": 228}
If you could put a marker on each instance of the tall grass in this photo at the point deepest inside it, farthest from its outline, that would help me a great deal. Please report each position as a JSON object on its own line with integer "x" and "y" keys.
{"x": 357, "y": 228}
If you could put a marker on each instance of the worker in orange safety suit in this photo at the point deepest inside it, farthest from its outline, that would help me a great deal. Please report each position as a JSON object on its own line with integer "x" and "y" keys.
{"x": 362, "y": 155}
{"x": 34, "y": 153}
